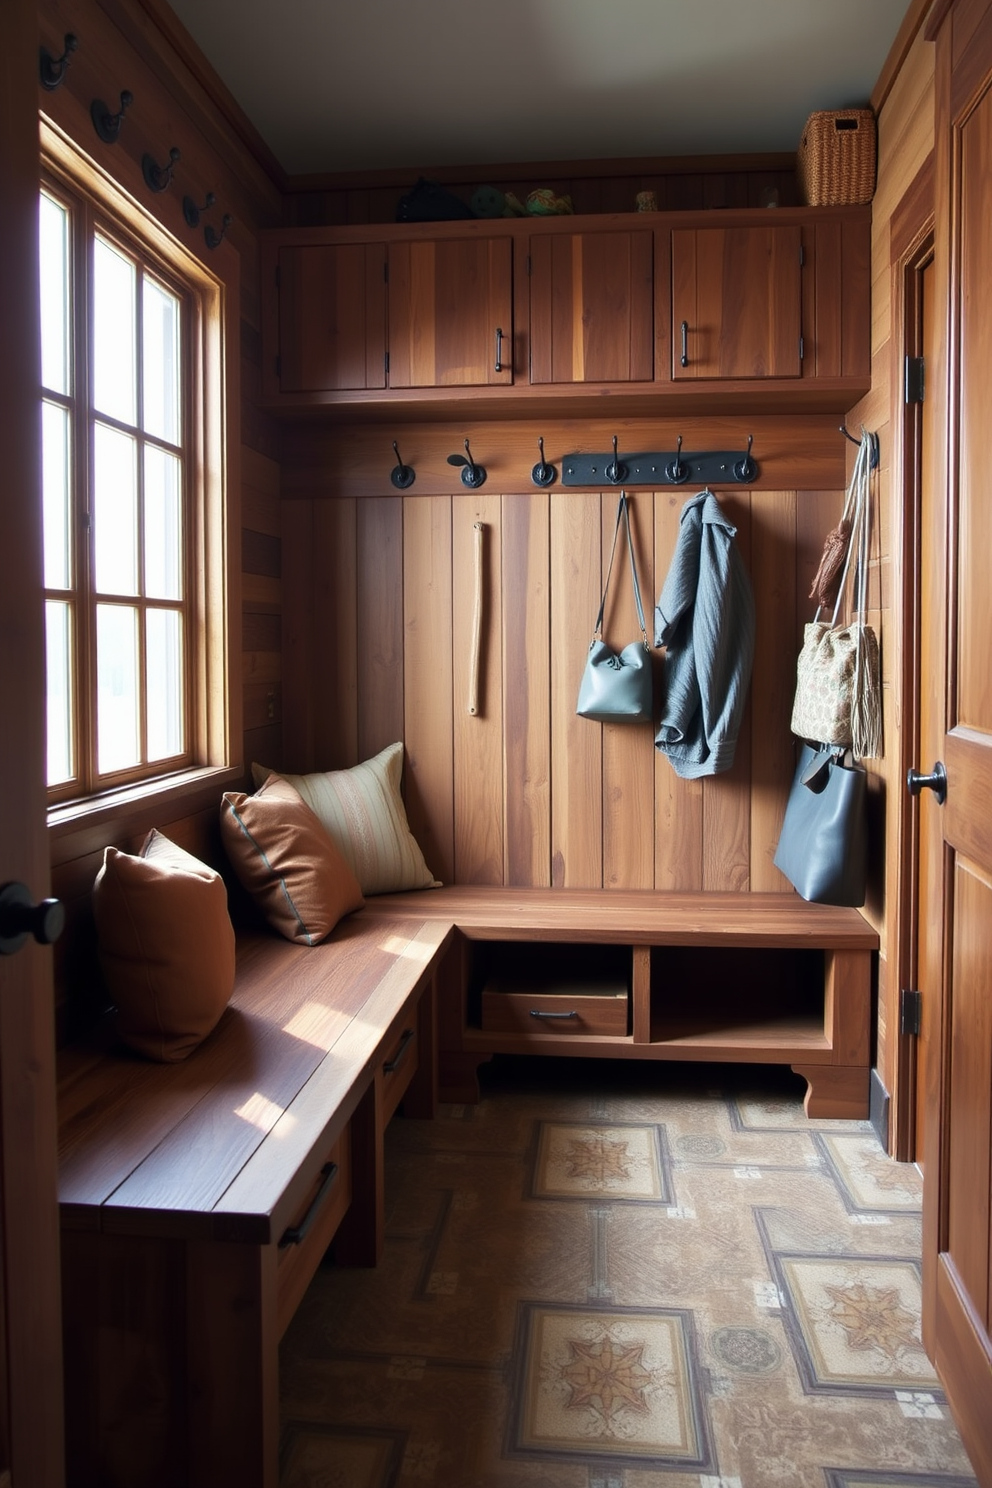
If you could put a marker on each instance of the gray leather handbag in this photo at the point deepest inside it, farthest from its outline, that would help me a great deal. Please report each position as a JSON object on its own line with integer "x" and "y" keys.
{"x": 618, "y": 688}
{"x": 823, "y": 849}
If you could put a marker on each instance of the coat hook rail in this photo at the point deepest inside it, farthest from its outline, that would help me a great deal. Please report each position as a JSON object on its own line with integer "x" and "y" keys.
{"x": 664, "y": 467}
{"x": 873, "y": 446}
{"x": 51, "y": 69}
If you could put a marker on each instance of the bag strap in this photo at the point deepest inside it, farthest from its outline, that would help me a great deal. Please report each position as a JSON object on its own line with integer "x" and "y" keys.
{"x": 856, "y": 511}
{"x": 623, "y": 515}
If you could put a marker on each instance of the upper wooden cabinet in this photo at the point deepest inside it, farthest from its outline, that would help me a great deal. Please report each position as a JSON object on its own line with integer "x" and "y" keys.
{"x": 450, "y": 313}
{"x": 705, "y": 310}
{"x": 592, "y": 307}
{"x": 737, "y": 301}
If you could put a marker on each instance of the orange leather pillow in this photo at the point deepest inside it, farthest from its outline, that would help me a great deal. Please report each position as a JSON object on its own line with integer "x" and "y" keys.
{"x": 287, "y": 862}
{"x": 166, "y": 946}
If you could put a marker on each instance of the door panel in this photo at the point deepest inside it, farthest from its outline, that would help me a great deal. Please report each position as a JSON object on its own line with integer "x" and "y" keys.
{"x": 591, "y": 307}
{"x": 448, "y": 297}
{"x": 332, "y": 317}
{"x": 738, "y": 293}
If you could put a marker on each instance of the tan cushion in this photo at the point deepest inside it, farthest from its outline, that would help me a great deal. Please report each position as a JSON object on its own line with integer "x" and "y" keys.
{"x": 363, "y": 811}
{"x": 287, "y": 862}
{"x": 166, "y": 946}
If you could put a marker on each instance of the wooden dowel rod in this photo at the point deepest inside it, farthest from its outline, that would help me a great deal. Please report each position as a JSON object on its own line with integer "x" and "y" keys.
{"x": 473, "y": 676}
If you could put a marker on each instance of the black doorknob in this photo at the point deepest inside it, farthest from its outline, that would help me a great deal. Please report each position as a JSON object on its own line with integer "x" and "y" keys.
{"x": 20, "y": 917}
{"x": 935, "y": 781}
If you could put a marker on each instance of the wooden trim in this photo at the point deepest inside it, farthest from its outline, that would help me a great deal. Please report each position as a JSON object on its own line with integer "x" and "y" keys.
{"x": 911, "y": 24}
{"x": 936, "y": 18}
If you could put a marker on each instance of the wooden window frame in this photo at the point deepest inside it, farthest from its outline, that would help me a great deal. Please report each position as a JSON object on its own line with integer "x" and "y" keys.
{"x": 209, "y": 756}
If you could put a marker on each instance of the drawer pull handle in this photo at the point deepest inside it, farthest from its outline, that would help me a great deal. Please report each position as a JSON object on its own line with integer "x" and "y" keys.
{"x": 537, "y": 1013}
{"x": 398, "y": 1057}
{"x": 685, "y": 344}
{"x": 499, "y": 351}
{"x": 297, "y": 1233}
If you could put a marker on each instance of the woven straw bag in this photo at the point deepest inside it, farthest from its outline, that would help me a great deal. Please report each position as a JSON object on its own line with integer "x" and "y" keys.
{"x": 838, "y": 694}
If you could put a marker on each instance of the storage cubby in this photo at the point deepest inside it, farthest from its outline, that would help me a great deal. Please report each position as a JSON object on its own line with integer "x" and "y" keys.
{"x": 715, "y": 997}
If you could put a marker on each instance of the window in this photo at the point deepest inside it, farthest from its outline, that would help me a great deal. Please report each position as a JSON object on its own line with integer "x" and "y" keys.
{"x": 132, "y": 523}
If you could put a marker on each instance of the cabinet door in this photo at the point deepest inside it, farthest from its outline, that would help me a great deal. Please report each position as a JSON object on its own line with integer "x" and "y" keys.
{"x": 332, "y": 317}
{"x": 736, "y": 302}
{"x": 450, "y": 313}
{"x": 591, "y": 307}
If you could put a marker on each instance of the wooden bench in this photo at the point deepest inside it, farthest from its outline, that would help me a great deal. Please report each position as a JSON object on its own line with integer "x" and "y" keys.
{"x": 758, "y": 978}
{"x": 197, "y": 1199}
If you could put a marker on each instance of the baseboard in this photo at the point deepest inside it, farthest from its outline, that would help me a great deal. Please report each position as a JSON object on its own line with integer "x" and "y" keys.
{"x": 878, "y": 1108}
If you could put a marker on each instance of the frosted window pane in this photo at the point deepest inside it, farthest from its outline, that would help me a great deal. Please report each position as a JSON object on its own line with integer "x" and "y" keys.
{"x": 117, "y": 687}
{"x": 55, "y": 310}
{"x": 115, "y": 511}
{"x": 114, "y": 364}
{"x": 56, "y": 494}
{"x": 160, "y": 342}
{"x": 164, "y": 684}
{"x": 58, "y": 644}
{"x": 163, "y": 523}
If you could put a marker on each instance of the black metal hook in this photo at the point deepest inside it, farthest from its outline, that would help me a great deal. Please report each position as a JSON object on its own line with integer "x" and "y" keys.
{"x": 677, "y": 472}
{"x": 192, "y": 212}
{"x": 616, "y": 471}
{"x": 52, "y": 69}
{"x": 472, "y": 475}
{"x": 159, "y": 177}
{"x": 543, "y": 474}
{"x": 402, "y": 475}
{"x": 212, "y": 237}
{"x": 106, "y": 124}
{"x": 873, "y": 448}
{"x": 745, "y": 469}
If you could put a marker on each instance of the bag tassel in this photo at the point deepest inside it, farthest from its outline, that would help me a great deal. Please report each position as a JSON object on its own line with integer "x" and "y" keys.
{"x": 866, "y": 701}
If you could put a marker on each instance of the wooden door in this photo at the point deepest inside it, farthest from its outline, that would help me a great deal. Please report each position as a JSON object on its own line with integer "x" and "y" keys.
{"x": 956, "y": 970}
{"x": 30, "y": 1334}
{"x": 591, "y": 307}
{"x": 450, "y": 313}
{"x": 332, "y": 317}
{"x": 736, "y": 302}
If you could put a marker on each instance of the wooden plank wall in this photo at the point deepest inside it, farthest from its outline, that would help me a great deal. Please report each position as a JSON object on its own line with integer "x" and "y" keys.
{"x": 905, "y": 146}
{"x": 679, "y": 185}
{"x": 378, "y": 597}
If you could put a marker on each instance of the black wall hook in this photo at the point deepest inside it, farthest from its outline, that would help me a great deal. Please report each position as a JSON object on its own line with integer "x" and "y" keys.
{"x": 745, "y": 469}
{"x": 51, "y": 70}
{"x": 402, "y": 476}
{"x": 212, "y": 237}
{"x": 159, "y": 177}
{"x": 677, "y": 472}
{"x": 192, "y": 212}
{"x": 616, "y": 471}
{"x": 106, "y": 124}
{"x": 543, "y": 474}
{"x": 873, "y": 449}
{"x": 473, "y": 475}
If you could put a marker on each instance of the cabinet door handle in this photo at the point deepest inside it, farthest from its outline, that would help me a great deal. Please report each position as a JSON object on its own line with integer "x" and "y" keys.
{"x": 499, "y": 350}
{"x": 397, "y": 1059}
{"x": 296, "y": 1234}
{"x": 685, "y": 343}
{"x": 537, "y": 1013}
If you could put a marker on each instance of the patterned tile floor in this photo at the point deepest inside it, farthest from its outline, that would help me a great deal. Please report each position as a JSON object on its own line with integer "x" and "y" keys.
{"x": 605, "y": 1277}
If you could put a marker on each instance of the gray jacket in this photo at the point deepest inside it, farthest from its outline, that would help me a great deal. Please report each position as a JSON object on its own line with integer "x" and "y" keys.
{"x": 705, "y": 619}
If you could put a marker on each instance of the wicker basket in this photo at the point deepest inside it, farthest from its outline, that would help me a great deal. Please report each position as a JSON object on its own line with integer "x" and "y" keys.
{"x": 836, "y": 158}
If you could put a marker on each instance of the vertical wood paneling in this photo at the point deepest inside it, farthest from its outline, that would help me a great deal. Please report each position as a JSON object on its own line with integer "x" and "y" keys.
{"x": 678, "y": 833}
{"x": 297, "y": 636}
{"x": 261, "y": 606}
{"x": 576, "y": 744}
{"x": 380, "y": 623}
{"x": 427, "y": 703}
{"x": 628, "y": 752}
{"x": 337, "y": 636}
{"x": 727, "y": 797}
{"x": 773, "y": 575}
{"x": 526, "y": 620}
{"x": 478, "y": 739}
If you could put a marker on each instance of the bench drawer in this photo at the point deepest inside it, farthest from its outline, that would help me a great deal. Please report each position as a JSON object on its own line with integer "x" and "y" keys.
{"x": 559, "y": 1012}
{"x": 325, "y": 1205}
{"x": 400, "y": 1057}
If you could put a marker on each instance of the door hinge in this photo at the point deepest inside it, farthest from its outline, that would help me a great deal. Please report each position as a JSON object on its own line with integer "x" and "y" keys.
{"x": 385, "y": 360}
{"x": 915, "y": 379}
{"x": 802, "y": 256}
{"x": 802, "y": 348}
{"x": 910, "y": 1011}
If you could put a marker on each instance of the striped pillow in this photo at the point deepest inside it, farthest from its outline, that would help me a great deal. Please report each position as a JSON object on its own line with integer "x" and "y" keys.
{"x": 363, "y": 811}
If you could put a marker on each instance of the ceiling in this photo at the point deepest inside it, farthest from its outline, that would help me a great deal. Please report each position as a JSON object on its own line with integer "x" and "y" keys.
{"x": 341, "y": 85}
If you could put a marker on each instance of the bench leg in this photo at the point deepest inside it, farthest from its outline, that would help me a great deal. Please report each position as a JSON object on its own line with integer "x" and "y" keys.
{"x": 836, "y": 1091}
